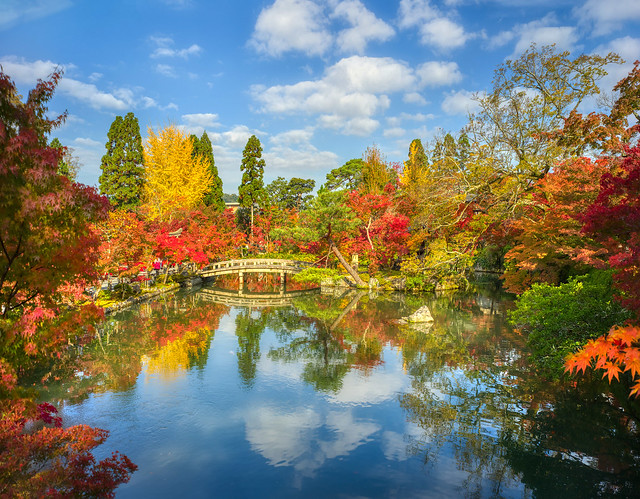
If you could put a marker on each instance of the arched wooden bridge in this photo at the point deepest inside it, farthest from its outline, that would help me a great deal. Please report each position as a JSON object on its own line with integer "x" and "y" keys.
{"x": 232, "y": 298}
{"x": 254, "y": 265}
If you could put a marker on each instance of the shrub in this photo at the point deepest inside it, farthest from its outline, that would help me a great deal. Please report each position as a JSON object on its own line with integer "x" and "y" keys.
{"x": 560, "y": 319}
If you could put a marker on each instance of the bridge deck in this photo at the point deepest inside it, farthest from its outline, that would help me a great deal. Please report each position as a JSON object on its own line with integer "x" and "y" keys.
{"x": 262, "y": 265}
{"x": 234, "y": 298}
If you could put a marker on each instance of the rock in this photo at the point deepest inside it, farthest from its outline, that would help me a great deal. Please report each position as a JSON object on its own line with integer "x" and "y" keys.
{"x": 399, "y": 283}
{"x": 423, "y": 314}
{"x": 373, "y": 283}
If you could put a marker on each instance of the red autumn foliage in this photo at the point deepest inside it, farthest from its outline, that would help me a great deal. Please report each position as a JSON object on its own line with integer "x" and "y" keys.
{"x": 614, "y": 221}
{"x": 46, "y": 245}
{"x": 384, "y": 232}
{"x": 550, "y": 244}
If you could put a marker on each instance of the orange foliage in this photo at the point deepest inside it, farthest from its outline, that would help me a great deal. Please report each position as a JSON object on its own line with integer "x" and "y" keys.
{"x": 614, "y": 353}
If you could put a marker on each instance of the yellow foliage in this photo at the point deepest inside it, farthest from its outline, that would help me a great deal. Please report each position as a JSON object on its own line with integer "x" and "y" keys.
{"x": 174, "y": 180}
{"x": 176, "y": 356}
{"x": 413, "y": 172}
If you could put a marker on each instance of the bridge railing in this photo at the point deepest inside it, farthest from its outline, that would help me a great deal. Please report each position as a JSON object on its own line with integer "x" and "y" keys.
{"x": 257, "y": 263}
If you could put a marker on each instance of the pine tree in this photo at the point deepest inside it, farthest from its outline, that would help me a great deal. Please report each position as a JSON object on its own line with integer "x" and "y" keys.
{"x": 203, "y": 148}
{"x": 122, "y": 171}
{"x": 251, "y": 190}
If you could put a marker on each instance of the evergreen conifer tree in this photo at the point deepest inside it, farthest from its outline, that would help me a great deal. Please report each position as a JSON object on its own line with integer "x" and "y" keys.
{"x": 122, "y": 171}
{"x": 203, "y": 148}
{"x": 251, "y": 190}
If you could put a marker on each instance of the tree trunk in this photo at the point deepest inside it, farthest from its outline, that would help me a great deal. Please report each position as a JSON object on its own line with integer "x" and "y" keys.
{"x": 359, "y": 282}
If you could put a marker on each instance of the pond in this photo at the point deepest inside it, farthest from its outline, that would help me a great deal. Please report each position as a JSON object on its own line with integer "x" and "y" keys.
{"x": 327, "y": 395}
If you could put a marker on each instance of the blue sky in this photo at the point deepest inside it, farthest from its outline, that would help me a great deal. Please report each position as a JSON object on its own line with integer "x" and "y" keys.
{"x": 317, "y": 81}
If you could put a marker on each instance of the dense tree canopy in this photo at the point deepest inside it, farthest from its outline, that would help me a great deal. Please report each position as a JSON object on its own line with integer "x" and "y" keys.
{"x": 122, "y": 165}
{"x": 46, "y": 246}
{"x": 202, "y": 147}
{"x": 175, "y": 179}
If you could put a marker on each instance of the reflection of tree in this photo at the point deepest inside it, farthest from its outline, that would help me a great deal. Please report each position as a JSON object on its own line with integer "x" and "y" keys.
{"x": 249, "y": 330}
{"x": 171, "y": 333}
{"x": 180, "y": 354}
{"x": 473, "y": 394}
{"x": 326, "y": 361}
{"x": 580, "y": 446}
{"x": 465, "y": 410}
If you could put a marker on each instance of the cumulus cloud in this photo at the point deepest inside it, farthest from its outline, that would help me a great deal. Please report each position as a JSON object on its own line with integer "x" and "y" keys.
{"x": 303, "y": 160}
{"x": 606, "y": 17}
{"x": 291, "y": 26}
{"x": 366, "y": 27}
{"x": 353, "y": 91}
{"x": 414, "y": 98}
{"x": 205, "y": 120}
{"x": 164, "y": 48}
{"x": 235, "y": 138}
{"x": 434, "y": 73}
{"x": 436, "y": 30}
{"x": 85, "y": 141}
{"x": 460, "y": 102}
{"x": 28, "y": 73}
{"x": 291, "y": 137}
{"x": 541, "y": 31}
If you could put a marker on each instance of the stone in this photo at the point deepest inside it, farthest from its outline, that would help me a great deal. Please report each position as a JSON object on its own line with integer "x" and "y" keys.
{"x": 423, "y": 314}
{"x": 399, "y": 283}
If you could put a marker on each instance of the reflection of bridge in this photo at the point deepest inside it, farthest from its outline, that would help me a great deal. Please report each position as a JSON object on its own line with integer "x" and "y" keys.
{"x": 234, "y": 298}
{"x": 254, "y": 265}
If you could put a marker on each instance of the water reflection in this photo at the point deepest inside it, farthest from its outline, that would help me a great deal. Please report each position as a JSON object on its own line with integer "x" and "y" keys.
{"x": 336, "y": 397}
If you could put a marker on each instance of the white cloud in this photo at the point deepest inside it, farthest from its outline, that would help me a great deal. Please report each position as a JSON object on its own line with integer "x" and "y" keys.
{"x": 414, "y": 98}
{"x": 94, "y": 77}
{"x": 461, "y": 102}
{"x": 443, "y": 33}
{"x": 353, "y": 91}
{"x": 17, "y": 11}
{"x": 435, "y": 29}
{"x": 164, "y": 48}
{"x": 291, "y": 137}
{"x": 436, "y": 73}
{"x": 205, "y": 120}
{"x": 166, "y": 70}
{"x": 394, "y": 132}
{"x": 85, "y": 141}
{"x": 89, "y": 94}
{"x": 119, "y": 99}
{"x": 291, "y": 25}
{"x": 606, "y": 17}
{"x": 365, "y": 27}
{"x": 626, "y": 47}
{"x": 235, "y": 138}
{"x": 541, "y": 31}
{"x": 303, "y": 161}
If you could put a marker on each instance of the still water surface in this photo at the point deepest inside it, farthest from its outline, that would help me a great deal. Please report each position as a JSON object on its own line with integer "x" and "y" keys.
{"x": 326, "y": 395}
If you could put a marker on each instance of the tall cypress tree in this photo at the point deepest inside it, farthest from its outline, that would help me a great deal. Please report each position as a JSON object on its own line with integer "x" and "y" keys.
{"x": 251, "y": 189}
{"x": 203, "y": 148}
{"x": 122, "y": 171}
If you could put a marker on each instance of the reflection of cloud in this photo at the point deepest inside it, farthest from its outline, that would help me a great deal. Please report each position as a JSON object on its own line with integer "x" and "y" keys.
{"x": 349, "y": 433}
{"x": 281, "y": 438}
{"x": 371, "y": 389}
{"x": 295, "y": 438}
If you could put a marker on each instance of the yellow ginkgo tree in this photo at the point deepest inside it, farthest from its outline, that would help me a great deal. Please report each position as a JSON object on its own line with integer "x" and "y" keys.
{"x": 174, "y": 179}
